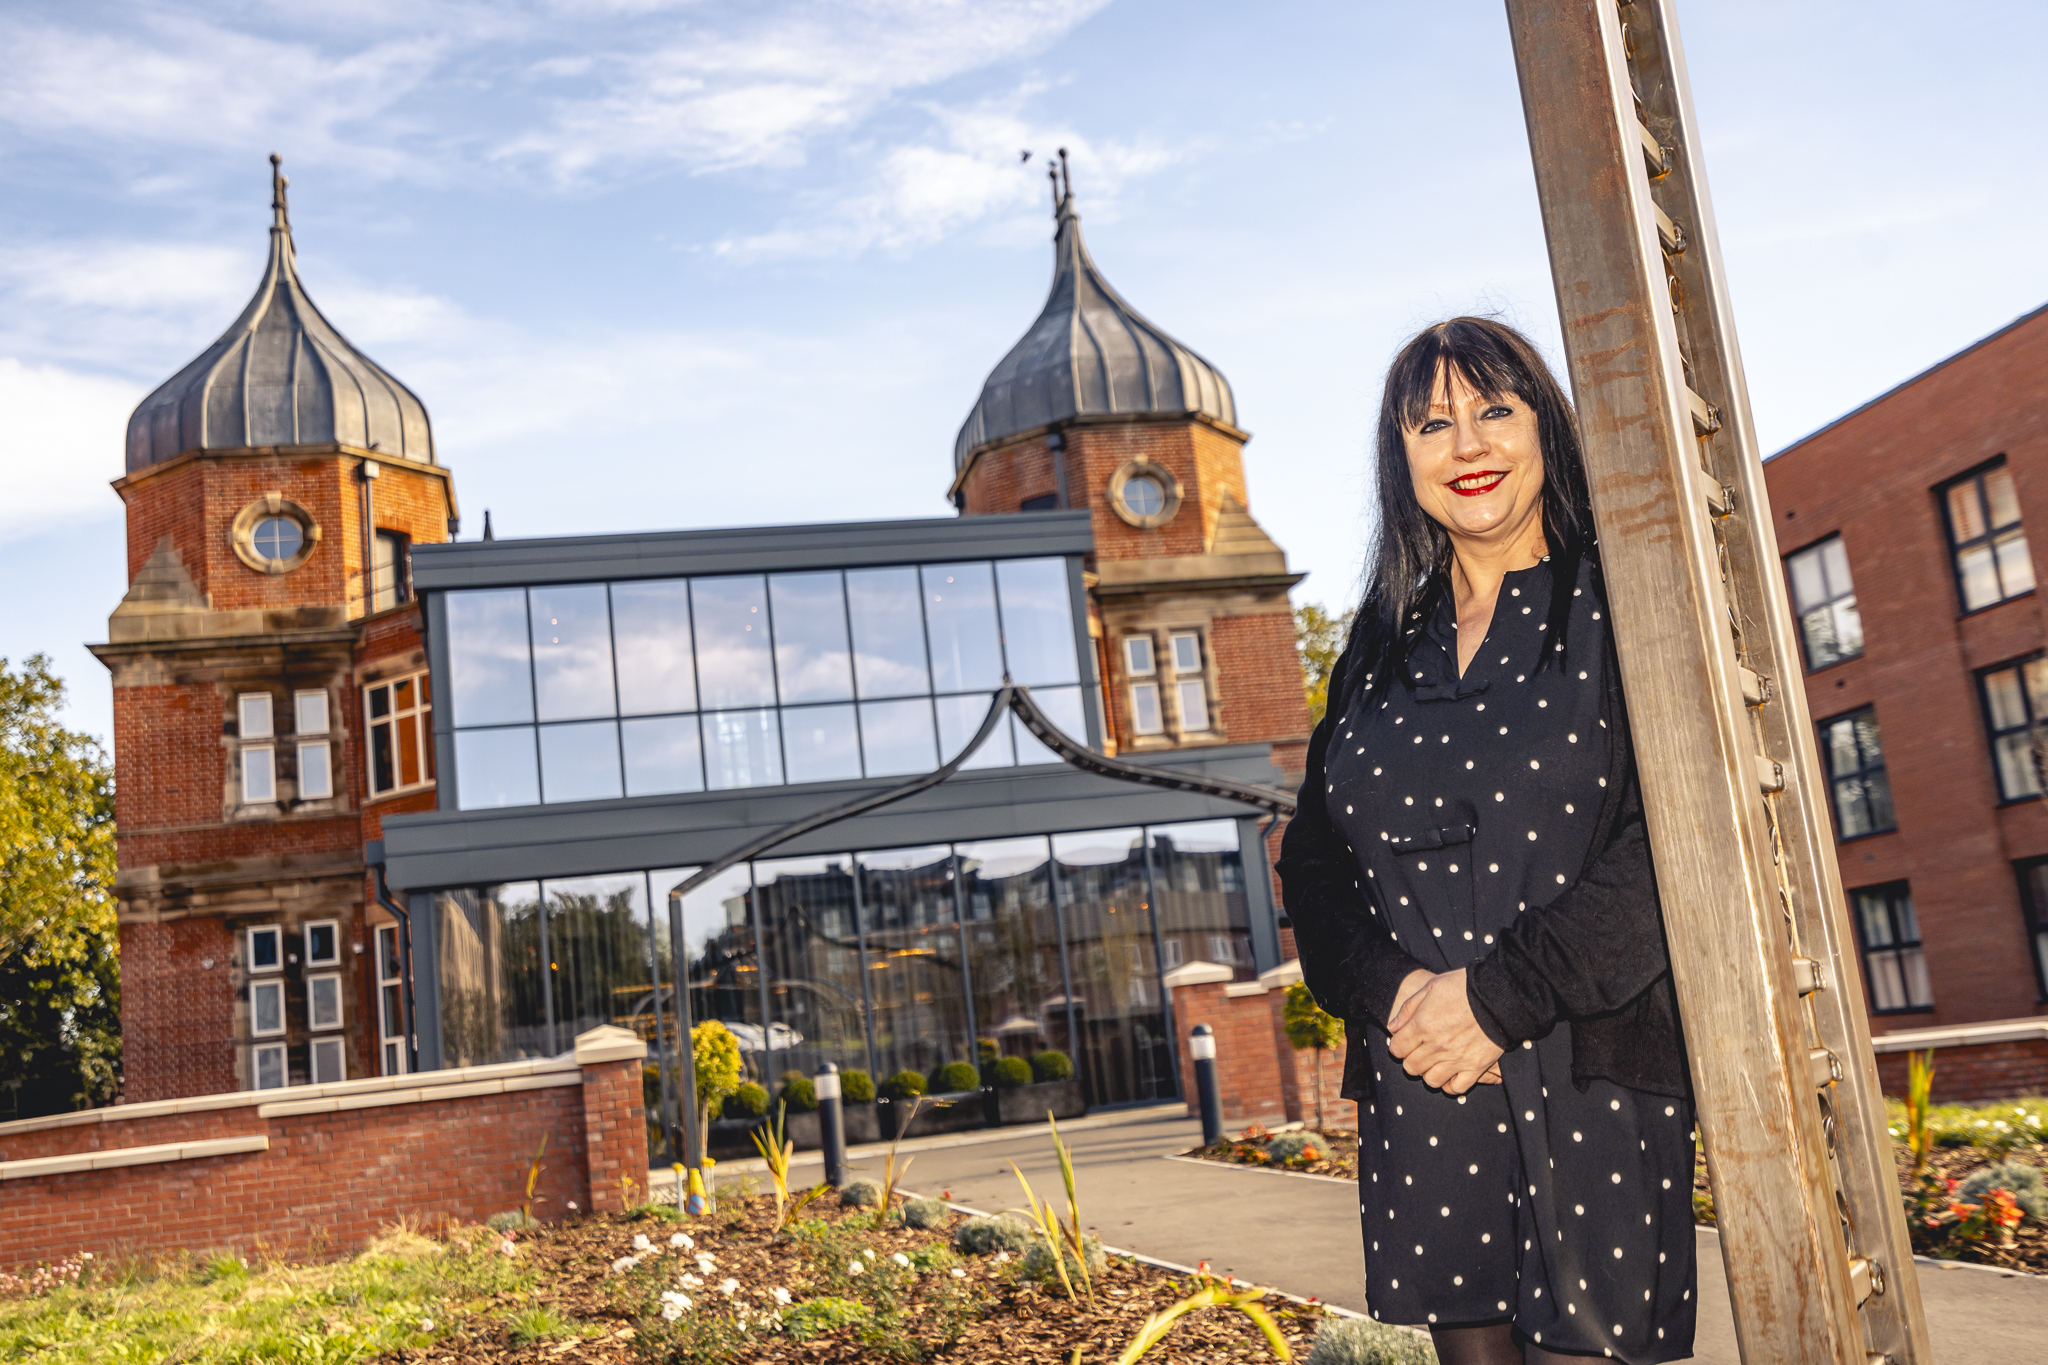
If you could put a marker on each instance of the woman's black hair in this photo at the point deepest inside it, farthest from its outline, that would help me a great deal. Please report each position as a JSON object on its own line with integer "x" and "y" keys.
{"x": 1411, "y": 552}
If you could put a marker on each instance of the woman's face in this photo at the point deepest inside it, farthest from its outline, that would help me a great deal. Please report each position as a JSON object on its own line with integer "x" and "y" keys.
{"x": 1477, "y": 464}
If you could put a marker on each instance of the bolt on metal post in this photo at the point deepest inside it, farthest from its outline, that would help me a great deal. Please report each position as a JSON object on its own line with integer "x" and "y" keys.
{"x": 1202, "y": 1047}
{"x": 831, "y": 1124}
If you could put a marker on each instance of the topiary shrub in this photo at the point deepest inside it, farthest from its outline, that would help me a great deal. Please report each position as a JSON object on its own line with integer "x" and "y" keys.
{"x": 956, "y": 1076}
{"x": 926, "y": 1213}
{"x": 856, "y": 1087}
{"x": 799, "y": 1092}
{"x": 2021, "y": 1181}
{"x": 986, "y": 1051}
{"x": 750, "y": 1101}
{"x": 1052, "y": 1065}
{"x": 1361, "y": 1341}
{"x": 1038, "y": 1258}
{"x": 1011, "y": 1072}
{"x": 904, "y": 1085}
{"x": 1297, "y": 1146}
{"x": 987, "y": 1234}
{"x": 860, "y": 1194}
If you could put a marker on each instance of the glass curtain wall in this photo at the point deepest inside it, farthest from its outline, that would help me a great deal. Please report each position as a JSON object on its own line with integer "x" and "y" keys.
{"x": 595, "y": 691}
{"x": 912, "y": 930}
{"x": 901, "y": 959}
{"x": 1110, "y": 954}
{"x": 1012, "y": 932}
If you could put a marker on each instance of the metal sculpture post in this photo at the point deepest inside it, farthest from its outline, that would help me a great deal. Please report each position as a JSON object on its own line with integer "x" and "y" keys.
{"x": 1805, "y": 1193}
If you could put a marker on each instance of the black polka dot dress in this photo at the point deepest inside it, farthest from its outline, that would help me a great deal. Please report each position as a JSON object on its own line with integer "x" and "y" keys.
{"x": 1469, "y": 801}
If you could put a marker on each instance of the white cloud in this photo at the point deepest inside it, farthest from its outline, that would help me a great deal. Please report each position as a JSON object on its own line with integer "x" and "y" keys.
{"x": 63, "y": 441}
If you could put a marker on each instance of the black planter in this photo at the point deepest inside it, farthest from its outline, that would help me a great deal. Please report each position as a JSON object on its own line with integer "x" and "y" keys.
{"x": 862, "y": 1123}
{"x": 1031, "y": 1103}
{"x": 954, "y": 1112}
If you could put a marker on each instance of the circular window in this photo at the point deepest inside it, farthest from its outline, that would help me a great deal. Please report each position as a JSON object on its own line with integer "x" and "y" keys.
{"x": 277, "y": 538}
{"x": 274, "y": 535}
{"x": 1144, "y": 494}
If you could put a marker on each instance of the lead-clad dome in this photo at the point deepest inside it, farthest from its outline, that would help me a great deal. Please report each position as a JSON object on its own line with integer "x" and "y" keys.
{"x": 1089, "y": 354}
{"x": 281, "y": 376}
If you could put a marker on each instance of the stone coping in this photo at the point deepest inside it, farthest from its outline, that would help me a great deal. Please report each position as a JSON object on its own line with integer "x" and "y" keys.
{"x": 132, "y": 1156}
{"x": 603, "y": 1044}
{"x": 1962, "y": 1035}
{"x": 335, "y": 1104}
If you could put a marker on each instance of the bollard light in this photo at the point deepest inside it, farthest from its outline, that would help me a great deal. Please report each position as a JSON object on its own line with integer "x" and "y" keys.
{"x": 1202, "y": 1048}
{"x": 831, "y": 1124}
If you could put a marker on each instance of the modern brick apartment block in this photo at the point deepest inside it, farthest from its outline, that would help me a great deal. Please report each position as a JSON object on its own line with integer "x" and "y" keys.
{"x": 269, "y": 702}
{"x": 1907, "y": 527}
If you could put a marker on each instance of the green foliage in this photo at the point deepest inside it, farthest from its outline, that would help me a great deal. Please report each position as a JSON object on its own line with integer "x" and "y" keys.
{"x": 956, "y": 1076}
{"x": 926, "y": 1213}
{"x": 1295, "y": 1147}
{"x": 986, "y": 1051}
{"x": 512, "y": 1220}
{"x": 536, "y": 1324}
{"x": 904, "y": 1085}
{"x": 1052, "y": 1065}
{"x": 717, "y": 1056}
{"x": 1997, "y": 1126}
{"x": 750, "y": 1101}
{"x": 1361, "y": 1341}
{"x": 860, "y": 1194}
{"x": 1010, "y": 1072}
{"x": 856, "y": 1087}
{"x": 60, "y": 1007}
{"x": 1307, "y": 1025}
{"x": 1319, "y": 639}
{"x": 1038, "y": 1259}
{"x": 988, "y": 1234}
{"x": 816, "y": 1316}
{"x": 2023, "y": 1182}
{"x": 222, "y": 1266}
{"x": 799, "y": 1092}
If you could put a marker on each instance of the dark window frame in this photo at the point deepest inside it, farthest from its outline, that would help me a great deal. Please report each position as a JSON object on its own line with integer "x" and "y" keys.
{"x": 1958, "y": 546}
{"x": 2034, "y": 912}
{"x": 1818, "y": 547}
{"x": 1862, "y": 773}
{"x": 1993, "y": 733}
{"x": 1898, "y": 943}
{"x": 399, "y": 587}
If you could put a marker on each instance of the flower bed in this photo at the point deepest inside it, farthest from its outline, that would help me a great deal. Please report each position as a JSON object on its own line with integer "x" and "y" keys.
{"x": 1948, "y": 1221}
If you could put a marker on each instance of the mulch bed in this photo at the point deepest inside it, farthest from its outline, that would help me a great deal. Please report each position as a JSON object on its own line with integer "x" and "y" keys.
{"x": 999, "y": 1314}
{"x": 1339, "y": 1157}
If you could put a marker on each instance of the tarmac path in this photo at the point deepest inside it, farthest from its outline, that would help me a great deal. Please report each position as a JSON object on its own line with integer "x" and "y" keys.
{"x": 1299, "y": 1233}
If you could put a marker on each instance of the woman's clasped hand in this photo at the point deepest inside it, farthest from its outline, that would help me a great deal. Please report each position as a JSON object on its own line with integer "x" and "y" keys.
{"x": 1437, "y": 1038}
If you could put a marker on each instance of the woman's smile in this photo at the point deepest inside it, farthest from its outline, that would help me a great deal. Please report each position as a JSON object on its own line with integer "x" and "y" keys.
{"x": 1472, "y": 485}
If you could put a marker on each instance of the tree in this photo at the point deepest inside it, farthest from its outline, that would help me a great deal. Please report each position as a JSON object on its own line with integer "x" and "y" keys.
{"x": 715, "y": 1053}
{"x": 1308, "y": 1026}
{"x": 60, "y": 1021}
{"x": 1319, "y": 637}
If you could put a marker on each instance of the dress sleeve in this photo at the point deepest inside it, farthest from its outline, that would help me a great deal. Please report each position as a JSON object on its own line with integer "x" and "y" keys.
{"x": 1348, "y": 956}
{"x": 1597, "y": 946}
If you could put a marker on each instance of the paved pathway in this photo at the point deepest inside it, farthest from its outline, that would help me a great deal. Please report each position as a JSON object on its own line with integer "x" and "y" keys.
{"x": 1300, "y": 1233}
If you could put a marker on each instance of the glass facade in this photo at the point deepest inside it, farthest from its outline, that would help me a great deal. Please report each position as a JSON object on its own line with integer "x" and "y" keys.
{"x": 595, "y": 691}
{"x": 888, "y": 960}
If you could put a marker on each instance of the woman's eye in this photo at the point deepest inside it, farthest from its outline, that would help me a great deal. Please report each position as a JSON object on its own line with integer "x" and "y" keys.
{"x": 1434, "y": 424}
{"x": 1499, "y": 410}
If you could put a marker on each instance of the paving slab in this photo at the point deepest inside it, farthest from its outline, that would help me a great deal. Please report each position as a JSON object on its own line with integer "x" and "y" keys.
{"x": 1299, "y": 1233}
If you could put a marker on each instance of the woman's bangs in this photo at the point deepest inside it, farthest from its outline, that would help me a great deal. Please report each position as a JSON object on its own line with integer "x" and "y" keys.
{"x": 1473, "y": 353}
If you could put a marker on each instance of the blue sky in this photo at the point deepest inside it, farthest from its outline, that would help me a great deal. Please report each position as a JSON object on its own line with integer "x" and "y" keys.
{"x": 657, "y": 264}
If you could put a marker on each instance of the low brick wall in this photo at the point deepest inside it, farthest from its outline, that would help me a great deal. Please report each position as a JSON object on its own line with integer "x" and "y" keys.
{"x": 1972, "y": 1062}
{"x": 318, "y": 1170}
{"x": 1260, "y": 1078}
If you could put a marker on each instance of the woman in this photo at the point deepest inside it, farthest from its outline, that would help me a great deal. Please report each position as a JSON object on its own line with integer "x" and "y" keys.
{"x": 1469, "y": 882}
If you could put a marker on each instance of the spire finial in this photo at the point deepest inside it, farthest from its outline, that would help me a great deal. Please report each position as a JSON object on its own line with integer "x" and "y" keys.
{"x": 1066, "y": 180}
{"x": 281, "y": 220}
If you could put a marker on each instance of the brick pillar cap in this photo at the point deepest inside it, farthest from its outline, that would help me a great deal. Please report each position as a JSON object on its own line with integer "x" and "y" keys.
{"x": 1198, "y": 974}
{"x": 1286, "y": 974}
{"x": 607, "y": 1044}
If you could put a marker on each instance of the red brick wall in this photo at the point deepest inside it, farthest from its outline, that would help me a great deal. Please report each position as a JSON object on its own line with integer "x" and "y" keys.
{"x": 1955, "y": 842}
{"x": 177, "y": 1016}
{"x": 1989, "y": 1071}
{"x": 1260, "y": 1078}
{"x": 328, "y": 1181}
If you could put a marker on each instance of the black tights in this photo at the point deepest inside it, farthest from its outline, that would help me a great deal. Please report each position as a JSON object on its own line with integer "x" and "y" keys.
{"x": 1493, "y": 1344}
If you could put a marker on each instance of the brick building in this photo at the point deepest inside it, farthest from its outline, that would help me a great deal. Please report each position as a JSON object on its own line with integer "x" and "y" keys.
{"x": 1911, "y": 572}
{"x": 269, "y": 700}
{"x": 538, "y": 741}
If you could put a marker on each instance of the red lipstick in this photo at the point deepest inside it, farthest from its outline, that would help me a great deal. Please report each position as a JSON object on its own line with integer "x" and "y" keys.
{"x": 1484, "y": 481}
